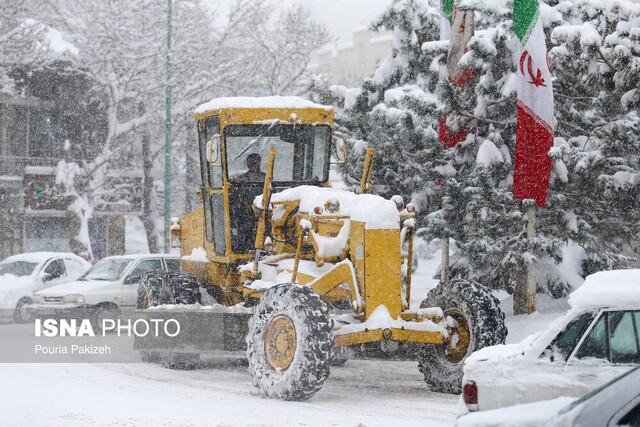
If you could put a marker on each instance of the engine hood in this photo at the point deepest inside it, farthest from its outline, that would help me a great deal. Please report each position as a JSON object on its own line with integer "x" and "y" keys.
{"x": 82, "y": 287}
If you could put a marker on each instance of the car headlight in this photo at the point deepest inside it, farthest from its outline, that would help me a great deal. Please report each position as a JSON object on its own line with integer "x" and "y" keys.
{"x": 37, "y": 299}
{"x": 74, "y": 298}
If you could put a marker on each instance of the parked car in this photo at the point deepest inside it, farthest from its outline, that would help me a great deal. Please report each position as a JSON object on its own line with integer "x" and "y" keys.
{"x": 596, "y": 340}
{"x": 104, "y": 290}
{"x": 22, "y": 275}
{"x": 616, "y": 403}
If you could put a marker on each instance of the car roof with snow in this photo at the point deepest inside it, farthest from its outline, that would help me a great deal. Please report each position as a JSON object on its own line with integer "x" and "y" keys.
{"x": 144, "y": 256}
{"x": 615, "y": 288}
{"x": 40, "y": 256}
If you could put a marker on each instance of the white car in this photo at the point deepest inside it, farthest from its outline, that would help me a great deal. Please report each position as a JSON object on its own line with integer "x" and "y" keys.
{"x": 22, "y": 275}
{"x": 595, "y": 341}
{"x": 104, "y": 290}
{"x": 617, "y": 403}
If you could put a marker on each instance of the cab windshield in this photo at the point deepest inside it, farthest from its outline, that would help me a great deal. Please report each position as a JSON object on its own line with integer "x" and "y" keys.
{"x": 303, "y": 152}
{"x": 18, "y": 268}
{"x": 108, "y": 269}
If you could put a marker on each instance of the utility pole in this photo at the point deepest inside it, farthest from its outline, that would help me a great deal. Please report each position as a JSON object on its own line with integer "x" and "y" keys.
{"x": 167, "y": 134}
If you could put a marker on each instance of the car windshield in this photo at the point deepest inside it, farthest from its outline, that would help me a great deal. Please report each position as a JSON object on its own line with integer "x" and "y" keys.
{"x": 107, "y": 269}
{"x": 18, "y": 268}
{"x": 303, "y": 152}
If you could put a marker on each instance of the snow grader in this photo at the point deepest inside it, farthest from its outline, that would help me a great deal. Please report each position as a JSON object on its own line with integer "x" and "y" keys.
{"x": 300, "y": 270}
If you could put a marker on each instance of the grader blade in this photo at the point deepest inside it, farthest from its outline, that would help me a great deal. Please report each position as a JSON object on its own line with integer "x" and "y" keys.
{"x": 200, "y": 331}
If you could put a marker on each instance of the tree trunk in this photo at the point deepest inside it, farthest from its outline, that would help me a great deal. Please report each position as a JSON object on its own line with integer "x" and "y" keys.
{"x": 147, "y": 194}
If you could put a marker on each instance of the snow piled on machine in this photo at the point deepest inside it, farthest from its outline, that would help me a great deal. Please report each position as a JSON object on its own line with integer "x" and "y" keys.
{"x": 261, "y": 102}
{"x": 375, "y": 211}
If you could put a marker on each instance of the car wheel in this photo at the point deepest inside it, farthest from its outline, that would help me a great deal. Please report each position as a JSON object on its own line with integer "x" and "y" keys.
{"x": 478, "y": 321}
{"x": 20, "y": 315}
{"x": 107, "y": 311}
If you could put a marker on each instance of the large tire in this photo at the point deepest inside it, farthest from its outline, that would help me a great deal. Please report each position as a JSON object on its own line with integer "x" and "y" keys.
{"x": 151, "y": 285}
{"x": 290, "y": 343}
{"x": 183, "y": 288}
{"x": 475, "y": 310}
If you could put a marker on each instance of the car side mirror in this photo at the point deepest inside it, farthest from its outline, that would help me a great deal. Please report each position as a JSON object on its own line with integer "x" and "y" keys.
{"x": 340, "y": 145}
{"x": 131, "y": 280}
{"x": 47, "y": 277}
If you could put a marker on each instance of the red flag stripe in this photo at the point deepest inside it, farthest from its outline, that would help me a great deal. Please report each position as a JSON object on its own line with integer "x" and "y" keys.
{"x": 534, "y": 139}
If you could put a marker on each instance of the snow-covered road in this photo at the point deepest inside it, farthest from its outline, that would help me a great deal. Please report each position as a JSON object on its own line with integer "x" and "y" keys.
{"x": 370, "y": 393}
{"x": 362, "y": 393}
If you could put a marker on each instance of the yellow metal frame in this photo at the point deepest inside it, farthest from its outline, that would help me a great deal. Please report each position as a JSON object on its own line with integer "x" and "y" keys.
{"x": 369, "y": 277}
{"x": 389, "y": 334}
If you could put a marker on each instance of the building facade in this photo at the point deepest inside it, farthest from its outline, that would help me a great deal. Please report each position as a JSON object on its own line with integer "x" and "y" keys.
{"x": 349, "y": 63}
{"x": 53, "y": 114}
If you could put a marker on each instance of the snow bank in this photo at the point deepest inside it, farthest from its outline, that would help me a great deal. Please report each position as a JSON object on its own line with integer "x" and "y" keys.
{"x": 259, "y": 102}
{"x": 608, "y": 288}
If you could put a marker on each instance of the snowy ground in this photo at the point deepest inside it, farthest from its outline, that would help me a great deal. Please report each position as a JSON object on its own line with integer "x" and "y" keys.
{"x": 364, "y": 392}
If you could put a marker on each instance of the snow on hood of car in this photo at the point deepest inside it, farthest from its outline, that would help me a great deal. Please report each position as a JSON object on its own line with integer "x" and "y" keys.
{"x": 12, "y": 288}
{"x": 529, "y": 348}
{"x": 615, "y": 288}
{"x": 259, "y": 102}
{"x": 529, "y": 414}
{"x": 76, "y": 287}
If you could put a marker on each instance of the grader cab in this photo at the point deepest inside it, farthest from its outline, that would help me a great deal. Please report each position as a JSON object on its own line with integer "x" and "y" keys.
{"x": 299, "y": 269}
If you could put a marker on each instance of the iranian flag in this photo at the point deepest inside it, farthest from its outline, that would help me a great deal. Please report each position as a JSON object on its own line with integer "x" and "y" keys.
{"x": 534, "y": 129}
{"x": 457, "y": 26}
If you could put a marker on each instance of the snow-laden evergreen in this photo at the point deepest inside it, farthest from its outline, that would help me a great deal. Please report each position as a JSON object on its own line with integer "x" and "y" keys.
{"x": 465, "y": 193}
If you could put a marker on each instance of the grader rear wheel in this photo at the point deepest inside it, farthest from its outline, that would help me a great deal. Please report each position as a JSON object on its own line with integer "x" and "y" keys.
{"x": 476, "y": 321}
{"x": 289, "y": 344}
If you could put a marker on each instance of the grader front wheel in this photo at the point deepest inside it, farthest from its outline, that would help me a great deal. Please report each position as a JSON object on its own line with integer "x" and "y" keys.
{"x": 289, "y": 343}
{"x": 475, "y": 320}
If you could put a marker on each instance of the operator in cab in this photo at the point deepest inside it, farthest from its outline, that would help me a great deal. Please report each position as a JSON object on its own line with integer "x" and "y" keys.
{"x": 253, "y": 173}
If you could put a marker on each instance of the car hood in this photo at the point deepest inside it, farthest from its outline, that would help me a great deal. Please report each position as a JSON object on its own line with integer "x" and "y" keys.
{"x": 12, "y": 288}
{"x": 543, "y": 413}
{"x": 76, "y": 287}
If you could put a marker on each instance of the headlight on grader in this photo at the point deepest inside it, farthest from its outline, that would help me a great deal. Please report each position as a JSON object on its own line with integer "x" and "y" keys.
{"x": 332, "y": 205}
{"x": 399, "y": 201}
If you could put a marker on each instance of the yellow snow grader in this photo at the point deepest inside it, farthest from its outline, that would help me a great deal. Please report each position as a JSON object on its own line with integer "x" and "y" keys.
{"x": 296, "y": 268}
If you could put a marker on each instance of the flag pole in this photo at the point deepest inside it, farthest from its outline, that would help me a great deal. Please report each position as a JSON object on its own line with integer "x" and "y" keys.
{"x": 531, "y": 265}
{"x": 167, "y": 136}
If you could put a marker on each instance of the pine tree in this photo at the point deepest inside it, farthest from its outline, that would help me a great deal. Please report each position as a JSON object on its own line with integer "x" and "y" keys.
{"x": 595, "y": 152}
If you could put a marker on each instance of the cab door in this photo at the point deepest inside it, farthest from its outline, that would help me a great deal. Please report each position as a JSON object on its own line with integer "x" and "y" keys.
{"x": 209, "y": 147}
